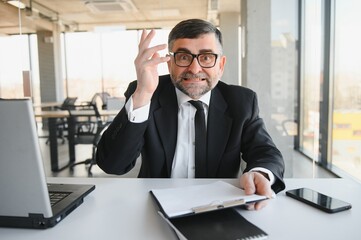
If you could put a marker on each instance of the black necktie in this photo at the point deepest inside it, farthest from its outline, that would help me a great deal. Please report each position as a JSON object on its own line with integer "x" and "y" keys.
{"x": 200, "y": 140}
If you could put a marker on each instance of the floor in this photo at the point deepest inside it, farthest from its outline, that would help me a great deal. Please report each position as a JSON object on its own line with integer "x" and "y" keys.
{"x": 302, "y": 167}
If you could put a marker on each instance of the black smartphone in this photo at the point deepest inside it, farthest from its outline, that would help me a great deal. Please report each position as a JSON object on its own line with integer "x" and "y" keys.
{"x": 318, "y": 200}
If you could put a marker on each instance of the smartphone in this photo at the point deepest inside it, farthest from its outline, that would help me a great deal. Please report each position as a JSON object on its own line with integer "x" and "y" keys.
{"x": 318, "y": 200}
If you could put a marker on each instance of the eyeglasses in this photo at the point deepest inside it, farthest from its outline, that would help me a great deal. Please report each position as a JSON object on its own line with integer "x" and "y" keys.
{"x": 184, "y": 59}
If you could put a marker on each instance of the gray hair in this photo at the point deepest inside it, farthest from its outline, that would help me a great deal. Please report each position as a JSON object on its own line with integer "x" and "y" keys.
{"x": 193, "y": 28}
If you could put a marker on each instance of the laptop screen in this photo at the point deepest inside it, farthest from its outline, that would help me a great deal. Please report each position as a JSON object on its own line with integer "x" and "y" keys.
{"x": 22, "y": 178}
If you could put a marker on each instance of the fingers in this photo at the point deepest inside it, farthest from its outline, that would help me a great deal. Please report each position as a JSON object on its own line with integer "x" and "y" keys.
{"x": 149, "y": 53}
{"x": 148, "y": 56}
{"x": 256, "y": 183}
{"x": 257, "y": 206}
{"x": 145, "y": 39}
{"x": 146, "y": 52}
{"x": 247, "y": 183}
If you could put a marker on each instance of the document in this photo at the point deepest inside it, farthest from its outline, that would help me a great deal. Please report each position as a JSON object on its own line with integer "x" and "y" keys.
{"x": 182, "y": 201}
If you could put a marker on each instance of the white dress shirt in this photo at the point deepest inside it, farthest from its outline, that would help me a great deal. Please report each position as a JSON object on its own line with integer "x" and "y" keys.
{"x": 184, "y": 157}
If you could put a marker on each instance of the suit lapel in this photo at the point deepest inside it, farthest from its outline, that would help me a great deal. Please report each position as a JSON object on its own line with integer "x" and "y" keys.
{"x": 166, "y": 118}
{"x": 218, "y": 130}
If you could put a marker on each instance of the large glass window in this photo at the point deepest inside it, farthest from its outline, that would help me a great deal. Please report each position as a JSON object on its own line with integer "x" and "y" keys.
{"x": 83, "y": 65}
{"x": 117, "y": 60}
{"x": 284, "y": 60}
{"x": 346, "y": 137}
{"x": 331, "y": 84}
{"x": 311, "y": 76}
{"x": 18, "y": 57}
{"x": 103, "y": 61}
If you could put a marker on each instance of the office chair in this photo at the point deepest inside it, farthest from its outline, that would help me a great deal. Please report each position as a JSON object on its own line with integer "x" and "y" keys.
{"x": 61, "y": 123}
{"x": 290, "y": 127}
{"x": 100, "y": 99}
{"x": 89, "y": 128}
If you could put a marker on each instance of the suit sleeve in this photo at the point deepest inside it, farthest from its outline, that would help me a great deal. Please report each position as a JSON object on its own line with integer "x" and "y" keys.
{"x": 259, "y": 150}
{"x": 121, "y": 143}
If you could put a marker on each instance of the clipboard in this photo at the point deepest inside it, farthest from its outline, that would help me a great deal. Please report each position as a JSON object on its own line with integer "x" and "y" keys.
{"x": 195, "y": 199}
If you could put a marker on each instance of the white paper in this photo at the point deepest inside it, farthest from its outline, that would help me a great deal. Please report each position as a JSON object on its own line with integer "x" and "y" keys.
{"x": 182, "y": 200}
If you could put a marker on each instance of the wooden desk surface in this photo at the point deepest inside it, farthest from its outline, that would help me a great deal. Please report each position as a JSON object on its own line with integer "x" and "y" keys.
{"x": 51, "y": 114}
{"x": 47, "y": 105}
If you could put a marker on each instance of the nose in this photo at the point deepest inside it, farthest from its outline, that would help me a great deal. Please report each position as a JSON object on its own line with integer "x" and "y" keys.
{"x": 195, "y": 67}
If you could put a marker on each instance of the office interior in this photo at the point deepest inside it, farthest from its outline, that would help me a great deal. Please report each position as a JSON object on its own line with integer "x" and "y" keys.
{"x": 300, "y": 56}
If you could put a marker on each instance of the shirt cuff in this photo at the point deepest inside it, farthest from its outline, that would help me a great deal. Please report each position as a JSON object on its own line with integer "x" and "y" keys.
{"x": 138, "y": 115}
{"x": 266, "y": 171}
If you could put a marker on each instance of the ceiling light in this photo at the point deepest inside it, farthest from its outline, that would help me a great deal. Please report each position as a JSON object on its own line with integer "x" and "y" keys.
{"x": 107, "y": 6}
{"x": 17, "y": 3}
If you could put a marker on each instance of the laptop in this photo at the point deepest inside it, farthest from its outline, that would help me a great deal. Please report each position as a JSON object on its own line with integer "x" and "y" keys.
{"x": 26, "y": 200}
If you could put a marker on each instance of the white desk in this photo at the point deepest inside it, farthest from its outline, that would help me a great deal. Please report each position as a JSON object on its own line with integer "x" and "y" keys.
{"x": 123, "y": 209}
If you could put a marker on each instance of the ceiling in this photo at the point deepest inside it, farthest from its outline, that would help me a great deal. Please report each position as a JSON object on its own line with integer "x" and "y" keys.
{"x": 87, "y": 15}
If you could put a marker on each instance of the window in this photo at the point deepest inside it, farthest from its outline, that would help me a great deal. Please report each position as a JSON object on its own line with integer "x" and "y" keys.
{"x": 311, "y": 76}
{"x": 18, "y": 56}
{"x": 284, "y": 87}
{"x": 103, "y": 61}
{"x": 331, "y": 85}
{"x": 346, "y": 132}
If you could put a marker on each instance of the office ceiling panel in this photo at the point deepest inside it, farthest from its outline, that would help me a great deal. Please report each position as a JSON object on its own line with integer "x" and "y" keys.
{"x": 85, "y": 15}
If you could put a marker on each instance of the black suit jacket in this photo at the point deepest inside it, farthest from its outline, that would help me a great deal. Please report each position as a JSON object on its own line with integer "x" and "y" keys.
{"x": 234, "y": 131}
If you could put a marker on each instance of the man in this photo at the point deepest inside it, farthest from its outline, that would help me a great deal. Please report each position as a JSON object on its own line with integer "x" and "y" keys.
{"x": 157, "y": 120}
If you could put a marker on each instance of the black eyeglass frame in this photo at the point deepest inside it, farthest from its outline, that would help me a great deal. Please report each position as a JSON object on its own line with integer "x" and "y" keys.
{"x": 193, "y": 57}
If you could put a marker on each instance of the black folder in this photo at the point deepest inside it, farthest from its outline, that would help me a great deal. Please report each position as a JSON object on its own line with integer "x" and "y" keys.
{"x": 225, "y": 224}
{"x": 210, "y": 221}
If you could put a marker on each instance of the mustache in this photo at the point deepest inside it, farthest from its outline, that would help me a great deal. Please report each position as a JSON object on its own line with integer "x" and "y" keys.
{"x": 192, "y": 75}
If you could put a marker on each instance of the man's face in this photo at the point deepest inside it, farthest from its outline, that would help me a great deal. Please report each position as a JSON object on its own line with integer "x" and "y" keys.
{"x": 196, "y": 80}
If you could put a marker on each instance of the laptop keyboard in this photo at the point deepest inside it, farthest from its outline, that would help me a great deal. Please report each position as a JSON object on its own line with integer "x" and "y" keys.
{"x": 56, "y": 197}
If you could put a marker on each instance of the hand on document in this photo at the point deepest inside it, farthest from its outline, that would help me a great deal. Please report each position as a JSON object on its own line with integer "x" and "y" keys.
{"x": 256, "y": 183}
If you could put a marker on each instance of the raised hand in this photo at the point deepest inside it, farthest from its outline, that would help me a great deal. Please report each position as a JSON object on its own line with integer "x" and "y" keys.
{"x": 146, "y": 65}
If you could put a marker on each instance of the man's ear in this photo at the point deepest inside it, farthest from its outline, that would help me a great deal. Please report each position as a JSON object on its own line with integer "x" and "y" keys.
{"x": 169, "y": 63}
{"x": 222, "y": 63}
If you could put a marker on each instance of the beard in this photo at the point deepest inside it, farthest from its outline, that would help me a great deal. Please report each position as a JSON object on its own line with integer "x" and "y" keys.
{"x": 193, "y": 90}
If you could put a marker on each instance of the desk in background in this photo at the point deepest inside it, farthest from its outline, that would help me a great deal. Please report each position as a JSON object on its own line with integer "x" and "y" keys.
{"x": 121, "y": 208}
{"x": 47, "y": 105}
{"x": 51, "y": 117}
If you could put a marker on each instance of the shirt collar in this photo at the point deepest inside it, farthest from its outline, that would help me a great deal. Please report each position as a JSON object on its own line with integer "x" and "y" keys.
{"x": 182, "y": 98}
